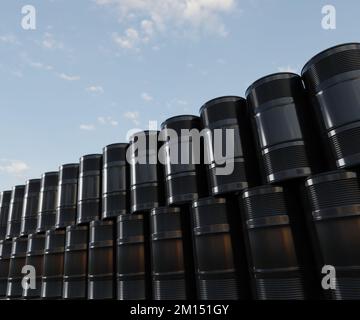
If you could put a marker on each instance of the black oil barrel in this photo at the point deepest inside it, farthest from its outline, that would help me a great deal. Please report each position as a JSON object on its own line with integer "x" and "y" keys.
{"x": 15, "y": 212}
{"x": 222, "y": 116}
{"x": 169, "y": 281}
{"x": 131, "y": 264}
{"x": 47, "y": 201}
{"x": 101, "y": 261}
{"x": 75, "y": 263}
{"x": 115, "y": 181}
{"x": 17, "y": 262}
{"x": 146, "y": 172}
{"x": 66, "y": 203}
{"x": 335, "y": 204}
{"x": 53, "y": 272}
{"x": 216, "y": 275}
{"x": 30, "y": 207}
{"x": 277, "y": 103}
{"x": 89, "y": 194}
{"x": 275, "y": 268}
{"x": 332, "y": 79}
{"x": 35, "y": 258}
{"x": 5, "y": 198}
{"x": 184, "y": 173}
{"x": 5, "y": 253}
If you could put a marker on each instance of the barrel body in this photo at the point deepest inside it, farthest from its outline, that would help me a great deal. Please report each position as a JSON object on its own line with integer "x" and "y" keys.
{"x": 146, "y": 172}
{"x": 275, "y": 269}
{"x": 53, "y": 272}
{"x": 5, "y": 198}
{"x": 167, "y": 254}
{"x": 5, "y": 253}
{"x": 332, "y": 79}
{"x": 89, "y": 193}
{"x": 278, "y": 103}
{"x": 101, "y": 261}
{"x": 216, "y": 275}
{"x": 226, "y": 117}
{"x": 335, "y": 204}
{"x": 17, "y": 261}
{"x": 66, "y": 203}
{"x": 183, "y": 157}
{"x": 115, "y": 190}
{"x": 131, "y": 268}
{"x": 47, "y": 201}
{"x": 15, "y": 212}
{"x": 35, "y": 258}
{"x": 76, "y": 263}
{"x": 30, "y": 207}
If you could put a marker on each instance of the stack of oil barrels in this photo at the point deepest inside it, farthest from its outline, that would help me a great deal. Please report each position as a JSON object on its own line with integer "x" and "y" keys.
{"x": 256, "y": 198}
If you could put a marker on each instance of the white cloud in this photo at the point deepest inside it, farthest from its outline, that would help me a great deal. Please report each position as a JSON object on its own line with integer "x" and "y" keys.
{"x": 87, "y": 127}
{"x": 107, "y": 121}
{"x": 148, "y": 19}
{"x": 40, "y": 65}
{"x": 287, "y": 69}
{"x": 13, "y": 167}
{"x": 49, "y": 42}
{"x": 9, "y": 39}
{"x": 146, "y": 97}
{"x": 133, "y": 116}
{"x": 68, "y": 77}
{"x": 95, "y": 89}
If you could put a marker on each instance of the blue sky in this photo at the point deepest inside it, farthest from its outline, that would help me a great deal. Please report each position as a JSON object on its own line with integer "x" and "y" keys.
{"x": 94, "y": 69}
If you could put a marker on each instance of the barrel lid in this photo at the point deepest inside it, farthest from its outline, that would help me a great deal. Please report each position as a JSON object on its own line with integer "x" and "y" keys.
{"x": 208, "y": 201}
{"x": 162, "y": 210}
{"x": 91, "y": 156}
{"x": 218, "y": 100}
{"x": 250, "y": 192}
{"x": 269, "y": 78}
{"x": 5, "y": 195}
{"x": 18, "y": 187}
{"x": 330, "y": 176}
{"x": 180, "y": 118}
{"x": 116, "y": 146}
{"x": 328, "y": 52}
{"x": 68, "y": 166}
{"x": 144, "y": 132}
{"x": 31, "y": 181}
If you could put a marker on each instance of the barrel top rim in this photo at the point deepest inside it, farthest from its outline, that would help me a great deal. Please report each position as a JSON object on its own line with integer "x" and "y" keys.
{"x": 330, "y": 176}
{"x": 101, "y": 223}
{"x": 184, "y": 117}
{"x": 270, "y": 77}
{"x": 76, "y": 227}
{"x": 249, "y": 192}
{"x": 118, "y": 145}
{"x": 214, "y": 101}
{"x": 328, "y": 52}
{"x": 146, "y": 132}
{"x": 164, "y": 209}
{"x": 19, "y": 186}
{"x": 130, "y": 216}
{"x": 69, "y": 165}
{"x": 207, "y": 201}
{"x": 5, "y": 192}
{"x": 91, "y": 156}
{"x": 33, "y": 180}
{"x": 50, "y": 173}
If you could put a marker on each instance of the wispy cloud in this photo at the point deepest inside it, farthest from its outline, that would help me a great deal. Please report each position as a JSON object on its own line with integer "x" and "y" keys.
{"x": 146, "y": 20}
{"x": 9, "y": 39}
{"x": 108, "y": 121}
{"x": 95, "y": 89}
{"x": 146, "y": 97}
{"x": 40, "y": 65}
{"x": 13, "y": 167}
{"x": 133, "y": 116}
{"x": 67, "y": 77}
{"x": 49, "y": 42}
{"x": 87, "y": 127}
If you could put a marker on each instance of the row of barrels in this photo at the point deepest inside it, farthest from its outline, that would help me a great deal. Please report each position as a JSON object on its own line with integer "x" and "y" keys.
{"x": 288, "y": 207}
